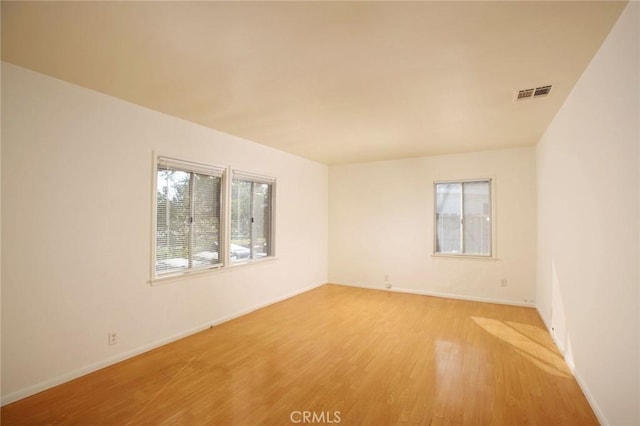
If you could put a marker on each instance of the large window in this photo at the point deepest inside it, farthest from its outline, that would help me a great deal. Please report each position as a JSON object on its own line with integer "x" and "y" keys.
{"x": 188, "y": 212}
{"x": 205, "y": 219}
{"x": 463, "y": 218}
{"x": 251, "y": 217}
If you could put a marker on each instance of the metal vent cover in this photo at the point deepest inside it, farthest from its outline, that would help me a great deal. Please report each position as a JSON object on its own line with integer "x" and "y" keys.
{"x": 532, "y": 93}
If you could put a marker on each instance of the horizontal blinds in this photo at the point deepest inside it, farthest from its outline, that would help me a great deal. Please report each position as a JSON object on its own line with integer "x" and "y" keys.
{"x": 448, "y": 217}
{"x": 205, "y": 226}
{"x": 462, "y": 181}
{"x": 188, "y": 216}
{"x": 476, "y": 201}
{"x": 188, "y": 166}
{"x": 173, "y": 212}
{"x": 249, "y": 177}
{"x": 463, "y": 217}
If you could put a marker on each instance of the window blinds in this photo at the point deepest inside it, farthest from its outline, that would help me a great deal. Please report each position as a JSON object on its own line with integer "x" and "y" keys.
{"x": 188, "y": 216}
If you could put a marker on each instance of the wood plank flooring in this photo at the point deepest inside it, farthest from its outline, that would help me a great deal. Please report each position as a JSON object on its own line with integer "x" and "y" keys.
{"x": 335, "y": 355}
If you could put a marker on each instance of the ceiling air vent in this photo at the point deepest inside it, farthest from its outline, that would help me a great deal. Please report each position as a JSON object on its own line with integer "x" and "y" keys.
{"x": 524, "y": 94}
{"x": 532, "y": 93}
{"x": 542, "y": 91}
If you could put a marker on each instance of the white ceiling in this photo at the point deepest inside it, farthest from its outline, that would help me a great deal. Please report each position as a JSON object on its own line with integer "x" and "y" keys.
{"x": 336, "y": 82}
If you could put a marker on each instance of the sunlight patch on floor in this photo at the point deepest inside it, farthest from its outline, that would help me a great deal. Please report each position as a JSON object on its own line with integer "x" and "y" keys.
{"x": 526, "y": 339}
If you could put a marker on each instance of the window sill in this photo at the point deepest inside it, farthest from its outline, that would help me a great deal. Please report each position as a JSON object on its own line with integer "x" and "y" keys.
{"x": 250, "y": 262}
{"x": 464, "y": 257}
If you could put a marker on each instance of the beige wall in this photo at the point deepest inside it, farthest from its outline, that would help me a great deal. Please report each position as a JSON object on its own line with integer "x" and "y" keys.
{"x": 381, "y": 223}
{"x": 76, "y": 220}
{"x": 588, "y": 225}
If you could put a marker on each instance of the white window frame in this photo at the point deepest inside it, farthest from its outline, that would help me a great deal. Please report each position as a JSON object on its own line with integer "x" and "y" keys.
{"x": 256, "y": 178}
{"x": 193, "y": 167}
{"x": 493, "y": 215}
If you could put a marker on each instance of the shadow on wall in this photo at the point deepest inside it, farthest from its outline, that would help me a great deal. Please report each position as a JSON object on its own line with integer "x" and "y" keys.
{"x": 558, "y": 319}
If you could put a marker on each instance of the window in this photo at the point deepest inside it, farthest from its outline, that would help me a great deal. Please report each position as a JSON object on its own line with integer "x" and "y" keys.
{"x": 463, "y": 218}
{"x": 204, "y": 220}
{"x": 251, "y": 217}
{"x": 188, "y": 212}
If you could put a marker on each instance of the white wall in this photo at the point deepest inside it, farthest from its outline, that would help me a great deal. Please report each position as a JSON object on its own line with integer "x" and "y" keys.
{"x": 381, "y": 223}
{"x": 76, "y": 221}
{"x": 588, "y": 225}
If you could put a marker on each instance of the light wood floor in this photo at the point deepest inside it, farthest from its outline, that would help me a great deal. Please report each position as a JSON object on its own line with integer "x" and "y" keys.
{"x": 361, "y": 357}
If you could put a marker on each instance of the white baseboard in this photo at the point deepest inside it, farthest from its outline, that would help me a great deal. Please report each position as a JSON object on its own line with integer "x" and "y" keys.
{"x": 444, "y": 295}
{"x": 572, "y": 368}
{"x": 585, "y": 390}
{"x": 46, "y": 384}
{"x": 544, "y": 320}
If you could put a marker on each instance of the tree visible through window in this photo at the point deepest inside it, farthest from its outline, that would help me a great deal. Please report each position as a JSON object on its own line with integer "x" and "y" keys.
{"x": 463, "y": 218}
{"x": 251, "y": 217}
{"x": 188, "y": 205}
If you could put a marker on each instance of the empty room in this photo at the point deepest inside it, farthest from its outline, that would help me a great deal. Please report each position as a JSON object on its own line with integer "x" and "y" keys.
{"x": 358, "y": 213}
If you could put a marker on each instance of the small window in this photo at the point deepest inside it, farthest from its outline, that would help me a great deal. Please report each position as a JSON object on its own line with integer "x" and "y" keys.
{"x": 251, "y": 217}
{"x": 463, "y": 222}
{"x": 188, "y": 216}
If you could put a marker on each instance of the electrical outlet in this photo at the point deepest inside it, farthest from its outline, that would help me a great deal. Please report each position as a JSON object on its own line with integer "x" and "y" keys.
{"x": 112, "y": 339}
{"x": 503, "y": 283}
{"x": 386, "y": 278}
